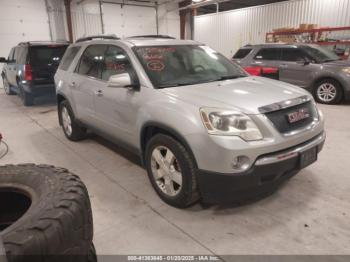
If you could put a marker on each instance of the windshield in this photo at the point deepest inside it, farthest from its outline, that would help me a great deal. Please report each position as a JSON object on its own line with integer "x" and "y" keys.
{"x": 181, "y": 65}
{"x": 320, "y": 54}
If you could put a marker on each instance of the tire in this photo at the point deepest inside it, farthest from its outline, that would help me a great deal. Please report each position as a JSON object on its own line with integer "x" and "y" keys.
{"x": 27, "y": 98}
{"x": 180, "y": 196}
{"x": 7, "y": 87}
{"x": 47, "y": 214}
{"x": 75, "y": 132}
{"x": 328, "y": 91}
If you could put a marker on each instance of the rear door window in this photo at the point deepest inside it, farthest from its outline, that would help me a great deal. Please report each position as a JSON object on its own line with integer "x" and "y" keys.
{"x": 293, "y": 54}
{"x": 269, "y": 54}
{"x": 242, "y": 53}
{"x": 69, "y": 57}
{"x": 46, "y": 55}
{"x": 92, "y": 60}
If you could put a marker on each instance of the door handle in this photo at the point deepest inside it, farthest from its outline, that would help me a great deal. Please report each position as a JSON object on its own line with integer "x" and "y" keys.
{"x": 73, "y": 85}
{"x": 284, "y": 65}
{"x": 99, "y": 93}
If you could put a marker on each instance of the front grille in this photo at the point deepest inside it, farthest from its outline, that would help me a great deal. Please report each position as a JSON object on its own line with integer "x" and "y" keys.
{"x": 280, "y": 118}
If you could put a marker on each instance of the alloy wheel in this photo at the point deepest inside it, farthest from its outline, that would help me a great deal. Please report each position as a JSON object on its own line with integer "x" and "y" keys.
{"x": 166, "y": 171}
{"x": 6, "y": 86}
{"x": 327, "y": 92}
{"x": 66, "y": 121}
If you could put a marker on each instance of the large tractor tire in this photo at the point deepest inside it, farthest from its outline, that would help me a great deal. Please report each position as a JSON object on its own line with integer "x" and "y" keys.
{"x": 45, "y": 215}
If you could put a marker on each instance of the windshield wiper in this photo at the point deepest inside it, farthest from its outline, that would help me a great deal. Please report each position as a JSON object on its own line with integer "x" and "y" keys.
{"x": 175, "y": 85}
{"x": 330, "y": 60}
{"x": 230, "y": 77}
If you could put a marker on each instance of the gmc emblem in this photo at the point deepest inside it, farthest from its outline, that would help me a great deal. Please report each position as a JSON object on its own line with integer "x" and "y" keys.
{"x": 298, "y": 115}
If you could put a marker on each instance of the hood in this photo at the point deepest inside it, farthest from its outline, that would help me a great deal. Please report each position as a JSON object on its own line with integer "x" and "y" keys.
{"x": 339, "y": 63}
{"x": 246, "y": 94}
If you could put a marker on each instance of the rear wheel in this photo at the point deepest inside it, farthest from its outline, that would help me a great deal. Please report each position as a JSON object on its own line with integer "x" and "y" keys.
{"x": 171, "y": 170}
{"x": 72, "y": 130}
{"x": 328, "y": 91}
{"x": 7, "y": 87}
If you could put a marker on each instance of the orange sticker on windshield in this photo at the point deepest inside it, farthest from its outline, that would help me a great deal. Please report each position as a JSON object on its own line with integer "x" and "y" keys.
{"x": 156, "y": 66}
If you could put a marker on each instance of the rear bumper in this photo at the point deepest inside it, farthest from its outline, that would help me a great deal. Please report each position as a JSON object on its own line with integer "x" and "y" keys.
{"x": 40, "y": 90}
{"x": 263, "y": 178}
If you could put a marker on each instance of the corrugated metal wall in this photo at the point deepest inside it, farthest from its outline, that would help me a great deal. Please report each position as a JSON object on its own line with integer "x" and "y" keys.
{"x": 86, "y": 19}
{"x": 228, "y": 31}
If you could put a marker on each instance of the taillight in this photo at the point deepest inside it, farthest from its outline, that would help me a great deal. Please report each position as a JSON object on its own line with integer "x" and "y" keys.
{"x": 28, "y": 73}
{"x": 253, "y": 70}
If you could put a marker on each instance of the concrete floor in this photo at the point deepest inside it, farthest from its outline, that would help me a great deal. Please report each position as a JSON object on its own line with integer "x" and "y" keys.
{"x": 309, "y": 215}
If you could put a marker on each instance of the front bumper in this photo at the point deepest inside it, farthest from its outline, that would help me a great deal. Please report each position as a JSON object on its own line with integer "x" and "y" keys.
{"x": 264, "y": 177}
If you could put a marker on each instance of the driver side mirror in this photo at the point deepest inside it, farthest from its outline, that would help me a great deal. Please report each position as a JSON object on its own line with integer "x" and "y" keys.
{"x": 121, "y": 81}
{"x": 3, "y": 60}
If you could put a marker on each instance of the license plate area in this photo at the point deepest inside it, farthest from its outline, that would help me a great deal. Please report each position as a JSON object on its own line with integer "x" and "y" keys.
{"x": 308, "y": 157}
{"x": 298, "y": 115}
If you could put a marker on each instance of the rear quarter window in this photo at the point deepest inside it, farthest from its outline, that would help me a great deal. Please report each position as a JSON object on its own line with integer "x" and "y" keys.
{"x": 242, "y": 53}
{"x": 68, "y": 57}
{"x": 21, "y": 55}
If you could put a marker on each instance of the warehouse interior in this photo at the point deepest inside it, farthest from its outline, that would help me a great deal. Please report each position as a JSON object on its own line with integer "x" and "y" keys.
{"x": 305, "y": 219}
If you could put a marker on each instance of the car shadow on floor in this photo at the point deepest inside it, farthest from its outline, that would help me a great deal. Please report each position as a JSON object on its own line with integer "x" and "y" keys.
{"x": 128, "y": 155}
{"x": 290, "y": 188}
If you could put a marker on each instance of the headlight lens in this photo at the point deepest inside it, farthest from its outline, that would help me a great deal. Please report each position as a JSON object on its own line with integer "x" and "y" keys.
{"x": 230, "y": 123}
{"x": 346, "y": 70}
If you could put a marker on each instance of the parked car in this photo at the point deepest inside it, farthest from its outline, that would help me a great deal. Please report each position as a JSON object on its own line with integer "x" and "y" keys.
{"x": 203, "y": 128}
{"x": 309, "y": 66}
{"x": 30, "y": 68}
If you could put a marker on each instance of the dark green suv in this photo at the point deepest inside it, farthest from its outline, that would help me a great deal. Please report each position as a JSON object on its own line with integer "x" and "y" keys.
{"x": 30, "y": 68}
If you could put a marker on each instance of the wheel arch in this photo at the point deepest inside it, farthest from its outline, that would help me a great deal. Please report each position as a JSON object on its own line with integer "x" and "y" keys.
{"x": 151, "y": 128}
{"x": 330, "y": 77}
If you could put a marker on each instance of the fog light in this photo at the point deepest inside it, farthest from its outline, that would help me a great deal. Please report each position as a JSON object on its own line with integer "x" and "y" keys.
{"x": 241, "y": 163}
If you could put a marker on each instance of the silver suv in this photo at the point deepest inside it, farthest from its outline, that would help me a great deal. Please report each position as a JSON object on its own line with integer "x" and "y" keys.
{"x": 309, "y": 66}
{"x": 202, "y": 127}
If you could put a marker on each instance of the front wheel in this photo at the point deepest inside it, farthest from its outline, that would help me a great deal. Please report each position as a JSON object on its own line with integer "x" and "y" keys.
{"x": 71, "y": 129}
{"x": 171, "y": 170}
{"x": 328, "y": 91}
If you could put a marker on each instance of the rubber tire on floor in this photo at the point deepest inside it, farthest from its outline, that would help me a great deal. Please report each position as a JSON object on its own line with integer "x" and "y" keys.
{"x": 339, "y": 95}
{"x": 78, "y": 132}
{"x": 189, "y": 193}
{"x": 9, "y": 91}
{"x": 58, "y": 225}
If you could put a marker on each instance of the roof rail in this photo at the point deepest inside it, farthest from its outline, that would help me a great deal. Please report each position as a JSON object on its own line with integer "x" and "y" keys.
{"x": 152, "y": 36}
{"x": 44, "y": 42}
{"x": 88, "y": 38}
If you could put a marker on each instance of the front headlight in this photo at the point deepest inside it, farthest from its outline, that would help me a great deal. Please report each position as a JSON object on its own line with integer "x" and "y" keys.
{"x": 230, "y": 123}
{"x": 346, "y": 70}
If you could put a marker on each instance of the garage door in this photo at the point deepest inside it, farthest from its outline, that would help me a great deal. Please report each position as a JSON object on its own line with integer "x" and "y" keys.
{"x": 127, "y": 20}
{"x": 22, "y": 20}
